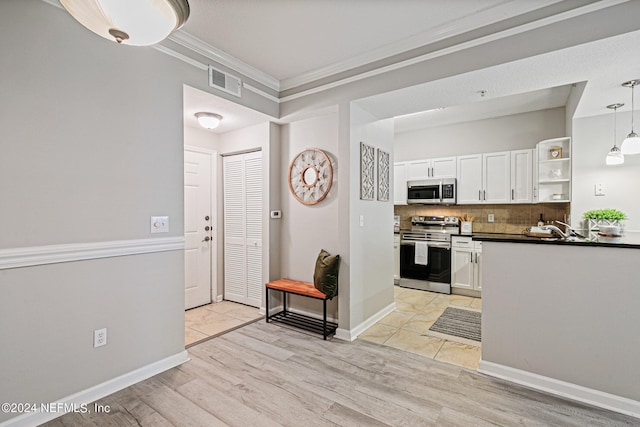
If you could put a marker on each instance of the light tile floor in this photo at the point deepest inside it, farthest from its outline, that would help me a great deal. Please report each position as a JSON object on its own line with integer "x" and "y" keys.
{"x": 213, "y": 319}
{"x": 407, "y": 326}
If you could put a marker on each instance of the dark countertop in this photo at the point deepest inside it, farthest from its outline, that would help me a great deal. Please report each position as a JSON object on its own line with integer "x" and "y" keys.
{"x": 628, "y": 240}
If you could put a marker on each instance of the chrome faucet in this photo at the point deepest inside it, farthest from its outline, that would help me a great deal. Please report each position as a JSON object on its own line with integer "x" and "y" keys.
{"x": 570, "y": 231}
{"x": 556, "y": 230}
{"x": 569, "y": 234}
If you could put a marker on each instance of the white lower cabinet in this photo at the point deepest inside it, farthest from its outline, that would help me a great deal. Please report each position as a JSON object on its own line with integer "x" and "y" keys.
{"x": 466, "y": 265}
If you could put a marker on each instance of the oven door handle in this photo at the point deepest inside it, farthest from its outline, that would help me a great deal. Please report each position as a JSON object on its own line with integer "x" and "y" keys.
{"x": 430, "y": 244}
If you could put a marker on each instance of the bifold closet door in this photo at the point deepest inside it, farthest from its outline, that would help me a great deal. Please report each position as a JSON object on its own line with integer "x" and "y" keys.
{"x": 243, "y": 228}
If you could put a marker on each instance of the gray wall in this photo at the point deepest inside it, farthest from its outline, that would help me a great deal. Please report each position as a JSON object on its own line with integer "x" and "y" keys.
{"x": 91, "y": 142}
{"x": 563, "y": 312}
{"x": 514, "y": 132}
{"x": 308, "y": 228}
{"x": 371, "y": 245}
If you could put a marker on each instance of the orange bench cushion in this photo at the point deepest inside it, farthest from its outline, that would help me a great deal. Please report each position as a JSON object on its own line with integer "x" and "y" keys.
{"x": 296, "y": 287}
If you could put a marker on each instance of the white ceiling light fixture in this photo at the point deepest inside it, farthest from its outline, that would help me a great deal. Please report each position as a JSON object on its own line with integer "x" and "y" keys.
{"x": 615, "y": 156}
{"x": 631, "y": 144}
{"x": 136, "y": 23}
{"x": 209, "y": 120}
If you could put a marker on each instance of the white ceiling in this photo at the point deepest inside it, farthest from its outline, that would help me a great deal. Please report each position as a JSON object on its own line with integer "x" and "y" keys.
{"x": 484, "y": 108}
{"x": 290, "y": 38}
{"x": 296, "y": 41}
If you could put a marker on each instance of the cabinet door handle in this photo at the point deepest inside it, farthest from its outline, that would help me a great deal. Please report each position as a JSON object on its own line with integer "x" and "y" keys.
{"x": 484, "y": 193}
{"x": 479, "y": 194}
{"x": 534, "y": 191}
{"x": 513, "y": 192}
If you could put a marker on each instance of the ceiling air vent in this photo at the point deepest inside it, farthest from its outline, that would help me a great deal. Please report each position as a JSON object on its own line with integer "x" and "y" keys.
{"x": 224, "y": 81}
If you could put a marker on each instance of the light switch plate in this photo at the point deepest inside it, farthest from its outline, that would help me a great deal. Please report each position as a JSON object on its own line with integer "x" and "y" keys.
{"x": 159, "y": 224}
{"x": 599, "y": 190}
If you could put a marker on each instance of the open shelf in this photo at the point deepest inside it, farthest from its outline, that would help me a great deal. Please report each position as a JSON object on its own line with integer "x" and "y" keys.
{"x": 554, "y": 174}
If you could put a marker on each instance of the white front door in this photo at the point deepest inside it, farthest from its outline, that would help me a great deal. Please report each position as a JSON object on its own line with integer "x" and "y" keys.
{"x": 198, "y": 232}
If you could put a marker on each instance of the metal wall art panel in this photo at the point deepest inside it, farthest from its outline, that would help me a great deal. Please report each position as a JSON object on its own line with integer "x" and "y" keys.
{"x": 367, "y": 172}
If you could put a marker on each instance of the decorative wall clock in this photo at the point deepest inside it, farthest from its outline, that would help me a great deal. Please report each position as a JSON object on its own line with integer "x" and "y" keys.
{"x": 310, "y": 176}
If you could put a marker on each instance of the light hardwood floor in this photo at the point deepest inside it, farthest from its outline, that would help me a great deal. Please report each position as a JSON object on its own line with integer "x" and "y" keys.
{"x": 266, "y": 375}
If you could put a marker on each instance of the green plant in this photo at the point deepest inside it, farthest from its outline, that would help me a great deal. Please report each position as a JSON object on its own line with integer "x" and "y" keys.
{"x": 607, "y": 214}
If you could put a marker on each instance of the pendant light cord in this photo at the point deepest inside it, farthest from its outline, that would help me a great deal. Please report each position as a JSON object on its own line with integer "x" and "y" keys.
{"x": 615, "y": 124}
{"x": 633, "y": 87}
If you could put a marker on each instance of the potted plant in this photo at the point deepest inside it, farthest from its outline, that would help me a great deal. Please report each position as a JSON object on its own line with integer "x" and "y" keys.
{"x": 606, "y": 221}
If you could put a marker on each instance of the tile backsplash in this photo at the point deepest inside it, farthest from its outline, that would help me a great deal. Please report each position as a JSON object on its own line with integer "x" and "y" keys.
{"x": 513, "y": 219}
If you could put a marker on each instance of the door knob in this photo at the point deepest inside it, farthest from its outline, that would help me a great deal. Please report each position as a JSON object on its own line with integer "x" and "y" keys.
{"x": 206, "y": 218}
{"x": 206, "y": 239}
{"x": 207, "y": 228}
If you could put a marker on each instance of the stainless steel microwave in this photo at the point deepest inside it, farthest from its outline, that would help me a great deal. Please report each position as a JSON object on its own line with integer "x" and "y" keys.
{"x": 432, "y": 191}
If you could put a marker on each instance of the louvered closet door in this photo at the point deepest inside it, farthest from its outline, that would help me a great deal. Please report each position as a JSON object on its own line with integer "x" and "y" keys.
{"x": 253, "y": 211}
{"x": 243, "y": 228}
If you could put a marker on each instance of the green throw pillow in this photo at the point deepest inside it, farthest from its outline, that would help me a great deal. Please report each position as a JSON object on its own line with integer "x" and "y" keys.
{"x": 325, "y": 276}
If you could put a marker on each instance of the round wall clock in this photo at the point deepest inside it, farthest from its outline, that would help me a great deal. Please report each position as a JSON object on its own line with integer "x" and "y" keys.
{"x": 310, "y": 176}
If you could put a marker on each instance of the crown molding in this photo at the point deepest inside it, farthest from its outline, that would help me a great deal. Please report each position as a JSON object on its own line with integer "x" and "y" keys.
{"x": 461, "y": 46}
{"x": 181, "y": 57}
{"x": 221, "y": 57}
{"x": 451, "y": 29}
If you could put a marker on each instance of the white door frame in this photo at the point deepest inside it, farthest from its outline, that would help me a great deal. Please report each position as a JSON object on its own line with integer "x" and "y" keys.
{"x": 214, "y": 216}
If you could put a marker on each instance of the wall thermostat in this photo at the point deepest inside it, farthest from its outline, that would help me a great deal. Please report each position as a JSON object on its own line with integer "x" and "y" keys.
{"x": 276, "y": 214}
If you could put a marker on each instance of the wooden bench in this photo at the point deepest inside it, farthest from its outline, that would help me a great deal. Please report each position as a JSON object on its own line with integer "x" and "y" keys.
{"x": 288, "y": 286}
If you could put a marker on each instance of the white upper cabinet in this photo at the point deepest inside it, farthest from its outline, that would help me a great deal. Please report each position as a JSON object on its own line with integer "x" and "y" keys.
{"x": 469, "y": 179}
{"x": 496, "y": 177}
{"x": 444, "y": 167}
{"x": 418, "y": 169}
{"x": 522, "y": 176}
{"x": 486, "y": 178}
{"x": 400, "y": 183}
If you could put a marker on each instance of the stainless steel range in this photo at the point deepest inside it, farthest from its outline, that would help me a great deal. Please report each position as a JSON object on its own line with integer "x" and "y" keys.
{"x": 425, "y": 253}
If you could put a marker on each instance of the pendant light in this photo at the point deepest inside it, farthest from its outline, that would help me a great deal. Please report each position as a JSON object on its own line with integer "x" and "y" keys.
{"x": 631, "y": 144}
{"x": 615, "y": 156}
{"x": 209, "y": 120}
{"x": 137, "y": 23}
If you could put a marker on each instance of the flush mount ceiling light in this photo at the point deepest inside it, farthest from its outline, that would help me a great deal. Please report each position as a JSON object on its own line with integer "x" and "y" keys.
{"x": 631, "y": 144}
{"x": 208, "y": 120}
{"x": 615, "y": 156}
{"x": 137, "y": 23}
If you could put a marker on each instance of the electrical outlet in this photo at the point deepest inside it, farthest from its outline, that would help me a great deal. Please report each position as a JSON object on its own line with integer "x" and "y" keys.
{"x": 100, "y": 337}
{"x": 490, "y": 218}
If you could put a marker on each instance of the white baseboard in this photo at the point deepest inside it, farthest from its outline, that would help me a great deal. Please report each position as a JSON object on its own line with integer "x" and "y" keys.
{"x": 571, "y": 391}
{"x": 352, "y": 334}
{"x": 99, "y": 391}
{"x": 219, "y": 298}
